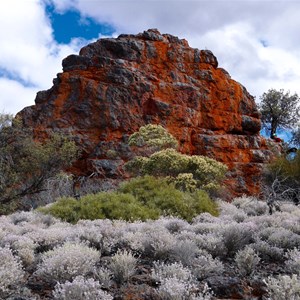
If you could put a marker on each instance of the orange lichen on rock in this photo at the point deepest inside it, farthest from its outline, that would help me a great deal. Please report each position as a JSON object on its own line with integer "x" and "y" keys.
{"x": 116, "y": 85}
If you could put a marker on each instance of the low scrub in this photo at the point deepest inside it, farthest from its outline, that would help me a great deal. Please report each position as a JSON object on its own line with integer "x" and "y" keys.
{"x": 141, "y": 198}
{"x": 168, "y": 258}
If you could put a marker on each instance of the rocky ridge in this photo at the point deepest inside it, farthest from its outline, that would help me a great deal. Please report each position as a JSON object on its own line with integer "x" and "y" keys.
{"x": 116, "y": 85}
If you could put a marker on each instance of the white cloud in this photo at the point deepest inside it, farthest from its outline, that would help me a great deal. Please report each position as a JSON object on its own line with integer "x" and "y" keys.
{"x": 14, "y": 96}
{"x": 29, "y": 56}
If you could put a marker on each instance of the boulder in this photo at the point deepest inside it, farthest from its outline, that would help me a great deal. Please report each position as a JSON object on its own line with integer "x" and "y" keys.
{"x": 116, "y": 85}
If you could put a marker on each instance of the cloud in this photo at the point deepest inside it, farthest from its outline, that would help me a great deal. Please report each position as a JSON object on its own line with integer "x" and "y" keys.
{"x": 29, "y": 56}
{"x": 15, "y": 96}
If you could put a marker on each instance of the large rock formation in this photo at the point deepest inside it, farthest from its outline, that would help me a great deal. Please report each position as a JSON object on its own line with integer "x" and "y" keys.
{"x": 114, "y": 86}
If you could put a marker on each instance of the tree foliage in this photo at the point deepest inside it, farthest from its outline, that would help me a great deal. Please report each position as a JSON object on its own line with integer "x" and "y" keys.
{"x": 188, "y": 172}
{"x": 151, "y": 138}
{"x": 296, "y": 137}
{"x": 26, "y": 164}
{"x": 279, "y": 109}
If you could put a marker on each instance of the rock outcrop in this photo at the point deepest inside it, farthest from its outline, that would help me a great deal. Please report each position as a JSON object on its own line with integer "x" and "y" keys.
{"x": 116, "y": 85}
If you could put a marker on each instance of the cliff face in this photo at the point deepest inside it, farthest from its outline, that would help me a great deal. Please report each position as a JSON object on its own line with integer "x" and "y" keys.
{"x": 114, "y": 86}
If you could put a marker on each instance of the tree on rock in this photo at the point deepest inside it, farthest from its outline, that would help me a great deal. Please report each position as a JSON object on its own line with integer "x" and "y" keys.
{"x": 279, "y": 109}
{"x": 151, "y": 138}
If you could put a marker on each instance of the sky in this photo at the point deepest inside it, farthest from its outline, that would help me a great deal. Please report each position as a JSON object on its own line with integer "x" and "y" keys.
{"x": 256, "y": 41}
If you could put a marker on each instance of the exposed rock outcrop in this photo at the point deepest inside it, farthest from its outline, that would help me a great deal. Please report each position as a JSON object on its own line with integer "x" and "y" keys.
{"x": 114, "y": 86}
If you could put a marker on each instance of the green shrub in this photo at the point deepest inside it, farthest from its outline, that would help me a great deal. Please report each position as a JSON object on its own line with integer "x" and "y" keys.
{"x": 110, "y": 205}
{"x": 66, "y": 209}
{"x": 151, "y": 138}
{"x": 158, "y": 193}
{"x": 186, "y": 171}
{"x": 141, "y": 198}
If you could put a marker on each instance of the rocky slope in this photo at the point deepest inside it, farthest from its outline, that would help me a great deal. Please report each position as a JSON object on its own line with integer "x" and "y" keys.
{"x": 114, "y": 86}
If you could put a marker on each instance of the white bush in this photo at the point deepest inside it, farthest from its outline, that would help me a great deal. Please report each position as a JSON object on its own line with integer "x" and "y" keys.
{"x": 251, "y": 205}
{"x": 247, "y": 261}
{"x": 103, "y": 275}
{"x": 174, "y": 289}
{"x": 229, "y": 212}
{"x": 162, "y": 271}
{"x": 205, "y": 266}
{"x": 158, "y": 243}
{"x": 67, "y": 261}
{"x": 177, "y": 282}
{"x": 79, "y": 289}
{"x": 293, "y": 262}
{"x": 268, "y": 252}
{"x": 283, "y": 287}
{"x": 280, "y": 237}
{"x": 185, "y": 251}
{"x": 236, "y": 236}
{"x": 122, "y": 266}
{"x": 174, "y": 225}
{"x": 212, "y": 243}
{"x": 11, "y": 272}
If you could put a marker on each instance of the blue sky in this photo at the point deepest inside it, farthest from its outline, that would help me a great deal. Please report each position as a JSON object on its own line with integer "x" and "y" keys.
{"x": 70, "y": 24}
{"x": 256, "y": 41}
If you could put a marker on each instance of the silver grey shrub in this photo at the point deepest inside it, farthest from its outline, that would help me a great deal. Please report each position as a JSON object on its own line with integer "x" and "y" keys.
{"x": 174, "y": 225}
{"x": 280, "y": 237}
{"x": 293, "y": 261}
{"x": 205, "y": 266}
{"x": 236, "y": 236}
{"x": 251, "y": 205}
{"x": 123, "y": 265}
{"x": 283, "y": 287}
{"x": 11, "y": 272}
{"x": 229, "y": 212}
{"x": 177, "y": 282}
{"x": 175, "y": 289}
{"x": 247, "y": 261}
{"x": 185, "y": 251}
{"x": 67, "y": 261}
{"x": 79, "y": 289}
{"x": 103, "y": 275}
{"x": 213, "y": 243}
{"x": 268, "y": 252}
{"x": 158, "y": 243}
{"x": 161, "y": 271}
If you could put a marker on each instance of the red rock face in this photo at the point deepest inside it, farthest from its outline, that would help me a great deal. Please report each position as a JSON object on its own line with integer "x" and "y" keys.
{"x": 114, "y": 86}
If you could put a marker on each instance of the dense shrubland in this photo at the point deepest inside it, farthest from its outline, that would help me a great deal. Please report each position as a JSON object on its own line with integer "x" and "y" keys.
{"x": 167, "y": 258}
{"x": 157, "y": 236}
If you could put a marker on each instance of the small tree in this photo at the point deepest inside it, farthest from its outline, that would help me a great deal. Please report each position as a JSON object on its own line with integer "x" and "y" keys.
{"x": 151, "y": 138}
{"x": 25, "y": 164}
{"x": 279, "y": 109}
{"x": 185, "y": 171}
